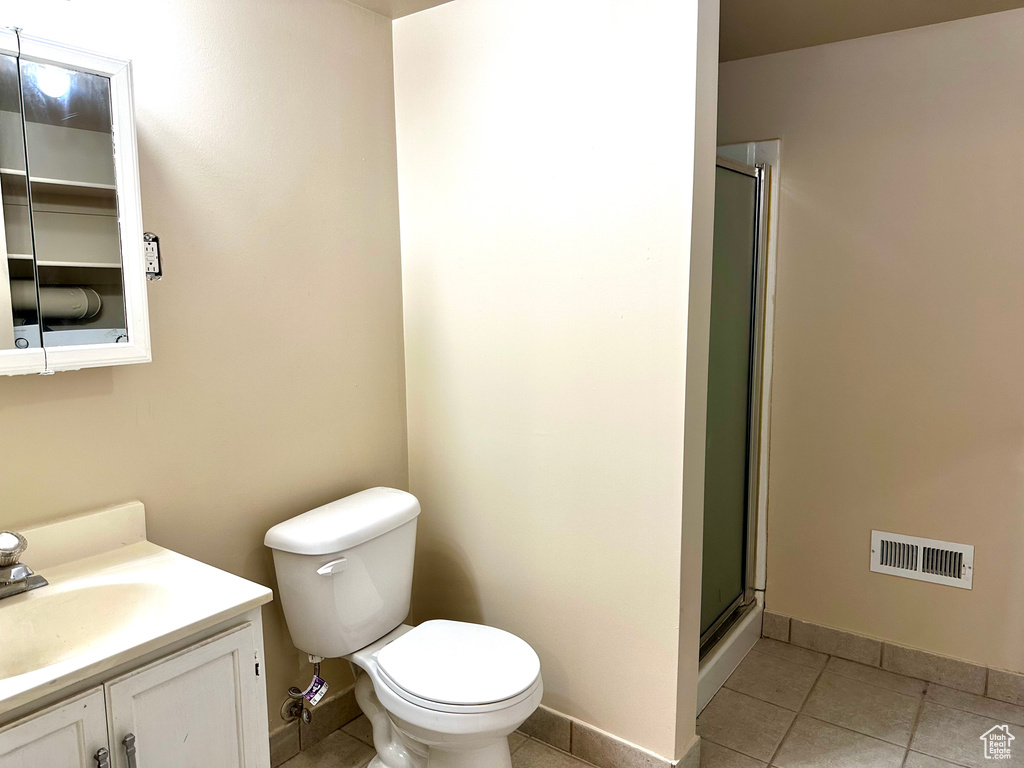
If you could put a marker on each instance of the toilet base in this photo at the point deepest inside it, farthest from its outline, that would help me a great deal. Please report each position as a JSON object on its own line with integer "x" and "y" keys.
{"x": 494, "y": 755}
{"x": 393, "y": 749}
{"x": 397, "y": 749}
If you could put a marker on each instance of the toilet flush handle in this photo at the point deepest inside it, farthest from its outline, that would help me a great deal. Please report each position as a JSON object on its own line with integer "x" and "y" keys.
{"x": 335, "y": 566}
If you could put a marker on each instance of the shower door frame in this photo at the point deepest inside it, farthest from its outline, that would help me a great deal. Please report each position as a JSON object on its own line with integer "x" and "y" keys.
{"x": 747, "y": 597}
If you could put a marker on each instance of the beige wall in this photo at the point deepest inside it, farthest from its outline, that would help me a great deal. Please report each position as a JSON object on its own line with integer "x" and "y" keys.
{"x": 546, "y": 174}
{"x": 899, "y": 325}
{"x": 267, "y": 161}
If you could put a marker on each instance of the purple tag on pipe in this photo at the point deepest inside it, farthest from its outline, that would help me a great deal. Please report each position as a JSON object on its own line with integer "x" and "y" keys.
{"x": 315, "y": 691}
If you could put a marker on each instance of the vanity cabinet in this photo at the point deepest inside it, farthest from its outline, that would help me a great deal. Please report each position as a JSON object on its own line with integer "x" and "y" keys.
{"x": 199, "y": 707}
{"x": 202, "y": 706}
{"x": 67, "y": 735}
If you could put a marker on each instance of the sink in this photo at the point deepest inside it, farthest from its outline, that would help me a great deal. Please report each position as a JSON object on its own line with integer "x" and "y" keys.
{"x": 54, "y": 624}
{"x": 113, "y": 598}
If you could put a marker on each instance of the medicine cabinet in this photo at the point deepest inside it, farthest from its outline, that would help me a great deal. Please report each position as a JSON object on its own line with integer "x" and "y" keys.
{"x": 72, "y": 272}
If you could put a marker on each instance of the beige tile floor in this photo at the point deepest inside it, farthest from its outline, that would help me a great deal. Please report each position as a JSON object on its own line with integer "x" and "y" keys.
{"x": 351, "y": 747}
{"x": 792, "y": 708}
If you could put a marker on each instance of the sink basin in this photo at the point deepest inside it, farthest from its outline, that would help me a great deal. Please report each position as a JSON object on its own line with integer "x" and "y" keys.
{"x": 54, "y": 624}
{"x": 114, "y": 600}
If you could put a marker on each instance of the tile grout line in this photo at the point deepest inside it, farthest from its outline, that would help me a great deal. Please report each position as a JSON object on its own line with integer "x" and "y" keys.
{"x": 755, "y": 697}
{"x": 829, "y": 657}
{"x": 944, "y": 759}
{"x": 934, "y": 757}
{"x": 801, "y": 713}
{"x": 852, "y": 730}
{"x": 731, "y": 749}
{"x": 876, "y": 685}
{"x": 910, "y": 738}
{"x": 918, "y": 696}
{"x": 922, "y": 700}
{"x": 810, "y": 690}
{"x": 913, "y": 728}
{"x": 789, "y": 730}
{"x": 821, "y": 671}
{"x": 956, "y": 708}
{"x": 553, "y": 748}
{"x": 784, "y": 658}
{"x": 736, "y": 749}
{"x": 951, "y": 708}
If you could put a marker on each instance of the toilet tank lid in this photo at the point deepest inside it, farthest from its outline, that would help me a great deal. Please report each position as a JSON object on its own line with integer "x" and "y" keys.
{"x": 344, "y": 523}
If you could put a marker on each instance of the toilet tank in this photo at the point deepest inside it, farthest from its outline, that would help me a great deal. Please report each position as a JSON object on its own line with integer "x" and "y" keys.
{"x": 344, "y": 570}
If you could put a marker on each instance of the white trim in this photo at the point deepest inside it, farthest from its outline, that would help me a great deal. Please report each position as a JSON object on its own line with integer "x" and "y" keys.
{"x": 129, "y": 214}
{"x": 727, "y": 654}
{"x": 6, "y": 307}
{"x": 8, "y": 41}
{"x": 17, "y": 361}
{"x": 770, "y": 154}
{"x": 44, "y": 51}
{"x": 13, "y": 361}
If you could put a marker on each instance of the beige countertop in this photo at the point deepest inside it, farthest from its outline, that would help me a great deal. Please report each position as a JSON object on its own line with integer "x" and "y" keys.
{"x": 102, "y": 611}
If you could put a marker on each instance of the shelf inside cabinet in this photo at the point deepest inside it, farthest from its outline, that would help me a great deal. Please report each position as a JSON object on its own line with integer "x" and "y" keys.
{"x": 45, "y": 263}
{"x": 64, "y": 186}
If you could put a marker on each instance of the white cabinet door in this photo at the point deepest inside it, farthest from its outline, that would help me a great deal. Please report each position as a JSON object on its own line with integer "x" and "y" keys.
{"x": 200, "y": 707}
{"x": 67, "y": 735}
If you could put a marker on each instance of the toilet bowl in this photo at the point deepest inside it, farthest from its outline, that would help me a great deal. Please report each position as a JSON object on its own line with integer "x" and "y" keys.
{"x": 435, "y": 686}
{"x": 444, "y": 694}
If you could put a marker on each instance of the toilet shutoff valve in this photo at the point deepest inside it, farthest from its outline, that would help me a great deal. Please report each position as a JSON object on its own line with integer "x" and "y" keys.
{"x": 295, "y": 707}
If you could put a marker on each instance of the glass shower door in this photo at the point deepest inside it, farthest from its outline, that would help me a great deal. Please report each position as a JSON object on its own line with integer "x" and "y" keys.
{"x": 734, "y": 363}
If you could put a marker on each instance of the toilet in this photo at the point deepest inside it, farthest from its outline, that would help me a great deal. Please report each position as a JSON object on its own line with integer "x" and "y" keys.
{"x": 444, "y": 694}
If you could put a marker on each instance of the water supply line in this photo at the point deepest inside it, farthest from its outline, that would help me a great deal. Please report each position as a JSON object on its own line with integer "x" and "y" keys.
{"x": 295, "y": 707}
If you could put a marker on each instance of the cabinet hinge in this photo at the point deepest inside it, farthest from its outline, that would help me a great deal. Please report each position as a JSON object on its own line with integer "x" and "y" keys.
{"x": 257, "y": 669}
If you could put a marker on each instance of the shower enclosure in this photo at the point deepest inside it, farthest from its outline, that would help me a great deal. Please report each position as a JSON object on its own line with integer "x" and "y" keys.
{"x": 735, "y": 365}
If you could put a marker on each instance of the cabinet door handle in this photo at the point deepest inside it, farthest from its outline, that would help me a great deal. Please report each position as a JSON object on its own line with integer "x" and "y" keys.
{"x": 102, "y": 758}
{"x": 129, "y": 750}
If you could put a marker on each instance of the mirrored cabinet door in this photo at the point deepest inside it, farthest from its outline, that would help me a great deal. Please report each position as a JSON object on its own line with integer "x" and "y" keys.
{"x": 19, "y": 313}
{"x": 74, "y": 231}
{"x": 71, "y": 210}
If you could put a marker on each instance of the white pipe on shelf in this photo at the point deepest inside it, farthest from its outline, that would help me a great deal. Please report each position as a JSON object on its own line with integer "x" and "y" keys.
{"x": 57, "y": 302}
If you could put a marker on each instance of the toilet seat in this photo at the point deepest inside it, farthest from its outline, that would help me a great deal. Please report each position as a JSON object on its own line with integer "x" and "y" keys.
{"x": 452, "y": 666}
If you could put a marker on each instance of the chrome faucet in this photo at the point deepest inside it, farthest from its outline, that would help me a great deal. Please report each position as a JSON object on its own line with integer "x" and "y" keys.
{"x": 15, "y": 576}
